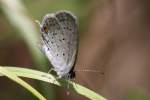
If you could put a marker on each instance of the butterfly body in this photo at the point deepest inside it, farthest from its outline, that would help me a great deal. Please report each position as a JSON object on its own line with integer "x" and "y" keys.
{"x": 60, "y": 42}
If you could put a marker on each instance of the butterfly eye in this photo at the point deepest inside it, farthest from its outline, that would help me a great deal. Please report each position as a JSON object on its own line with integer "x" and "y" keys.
{"x": 45, "y": 29}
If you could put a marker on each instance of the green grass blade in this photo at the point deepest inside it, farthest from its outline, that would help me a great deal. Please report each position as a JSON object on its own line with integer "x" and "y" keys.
{"x": 11, "y": 75}
{"x": 18, "y": 16}
{"x": 42, "y": 76}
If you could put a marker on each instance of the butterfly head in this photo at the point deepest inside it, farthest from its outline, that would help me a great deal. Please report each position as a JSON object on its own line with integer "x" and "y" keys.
{"x": 66, "y": 73}
{"x": 72, "y": 74}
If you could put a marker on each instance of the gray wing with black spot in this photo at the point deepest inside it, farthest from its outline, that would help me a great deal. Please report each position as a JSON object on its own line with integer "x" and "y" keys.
{"x": 70, "y": 31}
{"x": 53, "y": 42}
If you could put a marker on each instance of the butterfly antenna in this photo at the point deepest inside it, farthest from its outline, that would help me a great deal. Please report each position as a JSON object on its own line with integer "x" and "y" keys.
{"x": 87, "y": 70}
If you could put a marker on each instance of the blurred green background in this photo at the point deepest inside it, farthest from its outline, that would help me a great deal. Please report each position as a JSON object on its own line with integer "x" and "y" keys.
{"x": 19, "y": 40}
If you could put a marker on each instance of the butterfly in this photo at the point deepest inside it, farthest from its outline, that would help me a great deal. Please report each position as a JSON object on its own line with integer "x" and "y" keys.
{"x": 59, "y": 42}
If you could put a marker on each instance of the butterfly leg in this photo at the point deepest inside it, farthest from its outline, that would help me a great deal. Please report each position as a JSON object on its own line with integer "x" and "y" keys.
{"x": 52, "y": 69}
{"x": 68, "y": 80}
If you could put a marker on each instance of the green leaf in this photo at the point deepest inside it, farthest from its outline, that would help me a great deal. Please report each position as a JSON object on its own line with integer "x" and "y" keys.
{"x": 12, "y": 76}
{"x": 42, "y": 76}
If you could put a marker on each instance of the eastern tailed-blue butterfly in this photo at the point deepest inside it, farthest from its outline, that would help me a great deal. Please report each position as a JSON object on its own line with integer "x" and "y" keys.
{"x": 60, "y": 42}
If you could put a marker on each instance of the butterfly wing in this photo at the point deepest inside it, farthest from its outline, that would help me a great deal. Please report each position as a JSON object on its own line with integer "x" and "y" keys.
{"x": 52, "y": 42}
{"x": 59, "y": 41}
{"x": 68, "y": 24}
